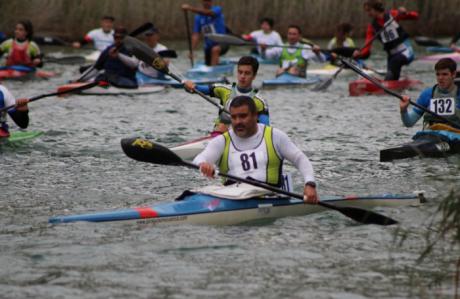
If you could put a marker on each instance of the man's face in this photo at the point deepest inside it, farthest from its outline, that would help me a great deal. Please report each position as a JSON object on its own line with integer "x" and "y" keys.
{"x": 445, "y": 78}
{"x": 293, "y": 35}
{"x": 118, "y": 38}
{"x": 372, "y": 13}
{"x": 152, "y": 39}
{"x": 244, "y": 122}
{"x": 207, "y": 4}
{"x": 265, "y": 27}
{"x": 245, "y": 76}
{"x": 106, "y": 25}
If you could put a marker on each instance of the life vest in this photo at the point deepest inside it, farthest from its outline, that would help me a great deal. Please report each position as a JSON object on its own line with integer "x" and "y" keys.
{"x": 19, "y": 54}
{"x": 291, "y": 59}
{"x": 261, "y": 163}
{"x": 392, "y": 36}
{"x": 446, "y": 105}
{"x": 3, "y": 125}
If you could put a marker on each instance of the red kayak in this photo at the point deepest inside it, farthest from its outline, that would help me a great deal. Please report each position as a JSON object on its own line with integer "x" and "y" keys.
{"x": 364, "y": 87}
{"x": 21, "y": 73}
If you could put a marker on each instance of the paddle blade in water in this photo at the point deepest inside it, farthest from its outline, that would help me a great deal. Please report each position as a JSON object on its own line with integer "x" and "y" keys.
{"x": 361, "y": 215}
{"x": 427, "y": 42}
{"x": 147, "y": 151}
{"x": 323, "y": 85}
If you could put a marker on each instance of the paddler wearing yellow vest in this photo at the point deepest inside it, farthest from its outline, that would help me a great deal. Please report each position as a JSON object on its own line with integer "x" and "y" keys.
{"x": 295, "y": 60}
{"x": 251, "y": 149}
{"x": 442, "y": 99}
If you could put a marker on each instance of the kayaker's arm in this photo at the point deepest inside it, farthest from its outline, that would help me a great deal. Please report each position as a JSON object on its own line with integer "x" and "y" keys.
{"x": 210, "y": 156}
{"x": 130, "y": 61}
{"x": 288, "y": 150}
{"x": 20, "y": 114}
{"x": 410, "y": 118}
{"x": 403, "y": 14}
{"x": 199, "y": 10}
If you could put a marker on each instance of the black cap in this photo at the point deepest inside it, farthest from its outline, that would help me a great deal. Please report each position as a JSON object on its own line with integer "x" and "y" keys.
{"x": 151, "y": 31}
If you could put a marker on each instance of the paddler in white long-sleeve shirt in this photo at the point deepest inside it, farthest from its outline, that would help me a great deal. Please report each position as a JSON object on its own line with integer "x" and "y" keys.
{"x": 251, "y": 149}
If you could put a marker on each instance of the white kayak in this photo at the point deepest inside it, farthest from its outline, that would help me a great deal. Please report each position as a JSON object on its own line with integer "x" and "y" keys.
{"x": 189, "y": 150}
{"x": 329, "y": 70}
{"x": 112, "y": 90}
{"x": 93, "y": 56}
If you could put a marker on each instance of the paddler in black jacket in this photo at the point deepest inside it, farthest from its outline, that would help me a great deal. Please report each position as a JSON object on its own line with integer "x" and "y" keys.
{"x": 394, "y": 38}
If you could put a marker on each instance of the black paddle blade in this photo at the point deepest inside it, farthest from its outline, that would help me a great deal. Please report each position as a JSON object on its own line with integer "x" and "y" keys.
{"x": 427, "y": 42}
{"x": 168, "y": 53}
{"x": 147, "y": 151}
{"x": 323, "y": 85}
{"x": 145, "y": 53}
{"x": 344, "y": 51}
{"x": 141, "y": 29}
{"x": 362, "y": 215}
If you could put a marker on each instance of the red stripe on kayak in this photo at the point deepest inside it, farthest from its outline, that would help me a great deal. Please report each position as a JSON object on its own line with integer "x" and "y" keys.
{"x": 351, "y": 197}
{"x": 147, "y": 212}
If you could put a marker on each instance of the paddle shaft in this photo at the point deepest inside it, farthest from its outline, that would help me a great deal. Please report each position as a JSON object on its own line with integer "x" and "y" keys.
{"x": 397, "y": 95}
{"x": 138, "y": 31}
{"x": 189, "y": 36}
{"x": 264, "y": 186}
{"x": 367, "y": 44}
{"x": 80, "y": 88}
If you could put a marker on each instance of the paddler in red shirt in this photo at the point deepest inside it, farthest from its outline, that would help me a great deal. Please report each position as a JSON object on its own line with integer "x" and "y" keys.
{"x": 394, "y": 39}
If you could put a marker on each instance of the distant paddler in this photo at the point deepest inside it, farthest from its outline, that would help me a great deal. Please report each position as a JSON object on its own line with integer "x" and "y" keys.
{"x": 247, "y": 68}
{"x": 253, "y": 150}
{"x": 442, "y": 99}
{"x": 19, "y": 114}
{"x": 21, "y": 50}
{"x": 295, "y": 60}
{"x": 118, "y": 64}
{"x": 394, "y": 38}
{"x": 265, "y": 36}
{"x": 100, "y": 37}
{"x": 152, "y": 39}
{"x": 342, "y": 38}
{"x": 209, "y": 19}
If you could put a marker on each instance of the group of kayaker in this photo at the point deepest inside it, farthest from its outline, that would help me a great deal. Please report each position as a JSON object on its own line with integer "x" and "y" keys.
{"x": 246, "y": 145}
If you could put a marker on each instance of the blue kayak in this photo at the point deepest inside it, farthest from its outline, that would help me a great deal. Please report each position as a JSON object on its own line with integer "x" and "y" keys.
{"x": 426, "y": 143}
{"x": 290, "y": 80}
{"x": 198, "y": 208}
{"x": 143, "y": 79}
{"x": 204, "y": 71}
{"x": 440, "y": 49}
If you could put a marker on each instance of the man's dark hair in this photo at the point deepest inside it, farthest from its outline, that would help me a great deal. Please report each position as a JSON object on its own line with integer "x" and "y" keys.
{"x": 375, "y": 4}
{"x": 269, "y": 21}
{"x": 296, "y": 27}
{"x": 249, "y": 60}
{"x": 240, "y": 101}
{"x": 109, "y": 18}
{"x": 446, "y": 63}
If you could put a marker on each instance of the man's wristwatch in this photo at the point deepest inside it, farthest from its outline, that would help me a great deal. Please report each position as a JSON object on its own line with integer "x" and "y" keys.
{"x": 311, "y": 184}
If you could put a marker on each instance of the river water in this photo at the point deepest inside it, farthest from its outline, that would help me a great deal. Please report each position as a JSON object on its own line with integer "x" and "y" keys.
{"x": 77, "y": 166}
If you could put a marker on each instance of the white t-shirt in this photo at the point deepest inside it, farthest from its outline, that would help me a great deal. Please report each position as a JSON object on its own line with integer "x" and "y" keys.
{"x": 7, "y": 99}
{"x": 148, "y": 70}
{"x": 100, "y": 39}
{"x": 284, "y": 147}
{"x": 272, "y": 38}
